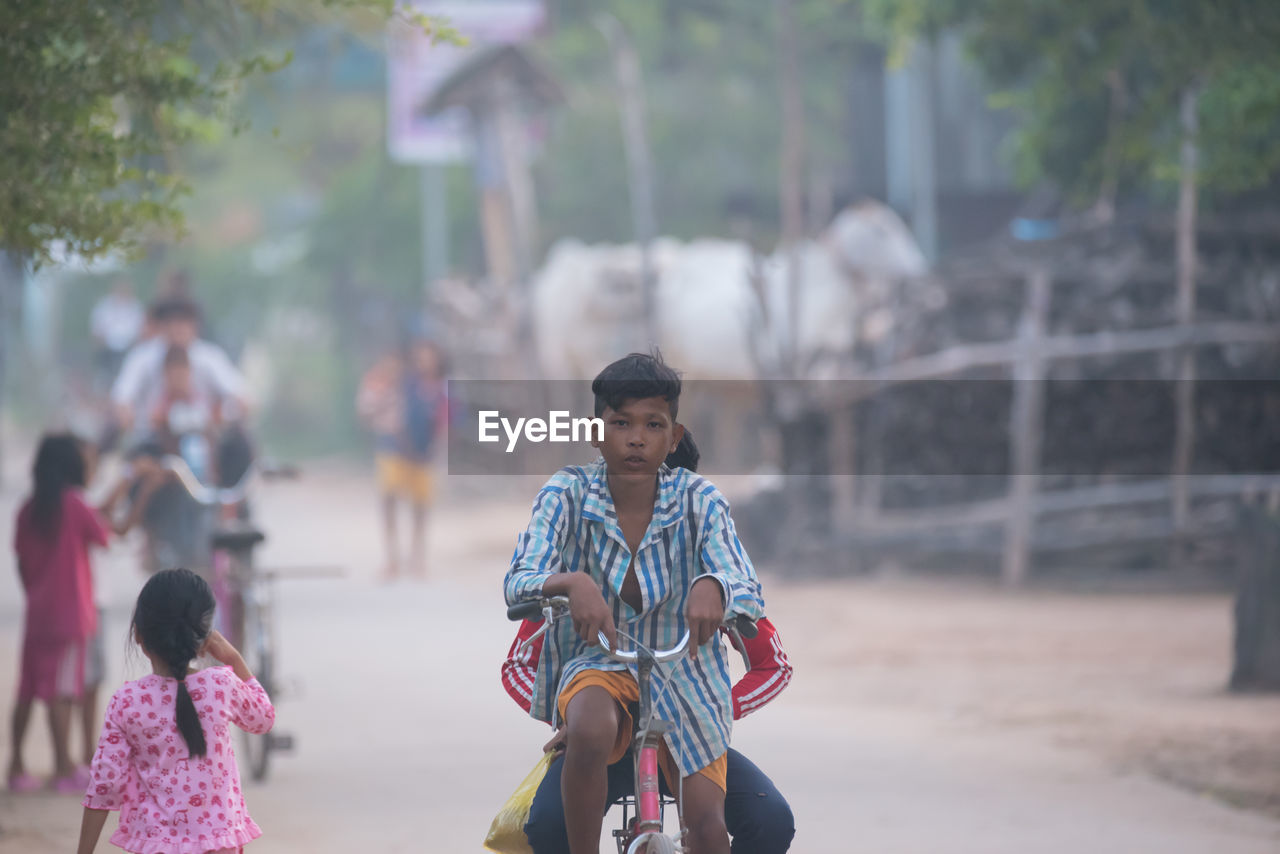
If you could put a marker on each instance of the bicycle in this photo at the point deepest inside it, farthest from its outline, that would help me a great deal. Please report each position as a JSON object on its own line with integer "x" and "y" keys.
{"x": 243, "y": 593}
{"x": 642, "y": 834}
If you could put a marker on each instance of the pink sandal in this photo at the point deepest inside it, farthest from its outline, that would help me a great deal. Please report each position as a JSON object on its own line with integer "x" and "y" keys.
{"x": 23, "y": 783}
{"x": 69, "y": 785}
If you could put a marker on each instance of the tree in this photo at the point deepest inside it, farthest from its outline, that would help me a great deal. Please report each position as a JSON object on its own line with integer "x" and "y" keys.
{"x": 97, "y": 96}
{"x": 711, "y": 85}
{"x": 1098, "y": 85}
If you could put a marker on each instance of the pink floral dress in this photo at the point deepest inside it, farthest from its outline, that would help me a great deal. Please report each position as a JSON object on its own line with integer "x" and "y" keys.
{"x": 171, "y": 802}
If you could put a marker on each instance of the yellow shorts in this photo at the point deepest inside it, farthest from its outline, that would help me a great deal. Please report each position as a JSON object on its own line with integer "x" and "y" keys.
{"x": 407, "y": 478}
{"x": 622, "y": 686}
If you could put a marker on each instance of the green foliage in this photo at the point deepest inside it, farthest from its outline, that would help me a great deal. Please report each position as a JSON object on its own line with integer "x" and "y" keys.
{"x": 1057, "y": 65}
{"x": 710, "y": 71}
{"x": 98, "y": 97}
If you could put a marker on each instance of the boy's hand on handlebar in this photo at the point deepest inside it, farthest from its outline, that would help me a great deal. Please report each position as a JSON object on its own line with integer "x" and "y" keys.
{"x": 704, "y": 612}
{"x": 590, "y": 613}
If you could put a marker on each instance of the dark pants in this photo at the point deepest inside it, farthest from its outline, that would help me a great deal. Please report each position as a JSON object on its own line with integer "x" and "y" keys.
{"x": 757, "y": 816}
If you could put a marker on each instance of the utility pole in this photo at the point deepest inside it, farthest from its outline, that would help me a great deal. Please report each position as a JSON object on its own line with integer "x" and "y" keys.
{"x": 791, "y": 172}
{"x": 635, "y": 142}
{"x": 1185, "y": 436}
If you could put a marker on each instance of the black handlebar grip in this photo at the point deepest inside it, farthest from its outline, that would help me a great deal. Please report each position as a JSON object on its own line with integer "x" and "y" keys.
{"x": 525, "y": 610}
{"x": 745, "y": 626}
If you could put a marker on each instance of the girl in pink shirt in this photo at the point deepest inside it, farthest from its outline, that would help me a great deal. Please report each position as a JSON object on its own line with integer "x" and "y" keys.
{"x": 165, "y": 758}
{"x": 54, "y": 531}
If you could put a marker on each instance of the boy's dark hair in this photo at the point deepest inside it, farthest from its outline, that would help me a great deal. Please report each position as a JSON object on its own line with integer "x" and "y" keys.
{"x": 686, "y": 454}
{"x": 636, "y": 377}
{"x": 173, "y": 617}
{"x": 175, "y": 308}
{"x": 59, "y": 466}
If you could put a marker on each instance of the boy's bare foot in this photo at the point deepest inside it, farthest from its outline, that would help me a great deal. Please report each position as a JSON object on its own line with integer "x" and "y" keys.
{"x": 418, "y": 565}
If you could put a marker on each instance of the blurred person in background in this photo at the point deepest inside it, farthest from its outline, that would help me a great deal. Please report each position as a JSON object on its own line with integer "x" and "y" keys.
{"x": 401, "y": 400}
{"x": 132, "y": 489}
{"x": 140, "y": 386}
{"x": 116, "y": 324}
{"x": 145, "y": 387}
{"x": 186, "y": 418}
{"x": 52, "y": 536}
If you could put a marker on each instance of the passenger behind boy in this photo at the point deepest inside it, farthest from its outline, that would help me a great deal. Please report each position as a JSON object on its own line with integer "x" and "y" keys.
{"x": 186, "y": 418}
{"x": 641, "y": 547}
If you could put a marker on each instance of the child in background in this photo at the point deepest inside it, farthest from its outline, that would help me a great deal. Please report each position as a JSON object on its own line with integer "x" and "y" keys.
{"x": 186, "y": 417}
{"x": 144, "y": 478}
{"x": 402, "y": 400}
{"x": 165, "y": 758}
{"x": 51, "y": 538}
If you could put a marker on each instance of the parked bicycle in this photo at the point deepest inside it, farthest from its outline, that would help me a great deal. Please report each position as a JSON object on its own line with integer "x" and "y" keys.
{"x": 643, "y": 832}
{"x": 244, "y": 593}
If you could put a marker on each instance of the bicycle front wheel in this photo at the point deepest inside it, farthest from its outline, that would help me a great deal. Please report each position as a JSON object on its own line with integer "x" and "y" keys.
{"x": 260, "y": 656}
{"x": 257, "y": 747}
{"x": 653, "y": 843}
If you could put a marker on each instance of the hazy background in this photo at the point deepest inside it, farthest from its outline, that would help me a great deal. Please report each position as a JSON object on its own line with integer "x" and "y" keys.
{"x": 978, "y": 307}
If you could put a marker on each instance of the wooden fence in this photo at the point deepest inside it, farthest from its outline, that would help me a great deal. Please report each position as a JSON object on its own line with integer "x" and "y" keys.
{"x": 1027, "y": 358}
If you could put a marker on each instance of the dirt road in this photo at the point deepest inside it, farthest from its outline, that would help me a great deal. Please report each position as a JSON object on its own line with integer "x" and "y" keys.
{"x": 923, "y": 718}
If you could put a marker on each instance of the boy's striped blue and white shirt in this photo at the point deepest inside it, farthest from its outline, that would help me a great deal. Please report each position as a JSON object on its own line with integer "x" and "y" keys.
{"x": 574, "y": 528}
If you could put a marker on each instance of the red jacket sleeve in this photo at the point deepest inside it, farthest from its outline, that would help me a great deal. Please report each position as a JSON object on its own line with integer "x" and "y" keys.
{"x": 521, "y": 666}
{"x": 769, "y": 674}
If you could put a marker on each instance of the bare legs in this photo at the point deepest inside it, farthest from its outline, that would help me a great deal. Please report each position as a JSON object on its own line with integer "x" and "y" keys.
{"x": 418, "y": 547}
{"x": 389, "y": 536}
{"x": 18, "y": 734}
{"x": 60, "y": 731}
{"x": 704, "y": 816}
{"x": 89, "y": 721}
{"x": 592, "y": 720}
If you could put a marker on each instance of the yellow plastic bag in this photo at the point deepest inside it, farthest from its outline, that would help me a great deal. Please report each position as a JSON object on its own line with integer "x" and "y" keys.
{"x": 506, "y": 834}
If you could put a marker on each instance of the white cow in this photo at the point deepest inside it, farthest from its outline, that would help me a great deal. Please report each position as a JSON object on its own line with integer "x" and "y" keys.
{"x": 718, "y": 314}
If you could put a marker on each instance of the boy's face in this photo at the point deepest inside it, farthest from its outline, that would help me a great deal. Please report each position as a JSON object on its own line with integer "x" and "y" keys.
{"x": 180, "y": 331}
{"x": 177, "y": 380}
{"x": 638, "y": 436}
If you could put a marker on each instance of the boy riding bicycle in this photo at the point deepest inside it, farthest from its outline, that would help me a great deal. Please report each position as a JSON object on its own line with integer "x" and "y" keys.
{"x": 635, "y": 544}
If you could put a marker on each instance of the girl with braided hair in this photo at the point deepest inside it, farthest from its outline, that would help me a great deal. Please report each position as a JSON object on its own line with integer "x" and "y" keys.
{"x": 165, "y": 758}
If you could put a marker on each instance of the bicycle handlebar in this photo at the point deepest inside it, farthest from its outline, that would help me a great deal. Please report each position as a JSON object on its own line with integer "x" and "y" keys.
{"x": 632, "y": 656}
{"x": 551, "y": 607}
{"x": 525, "y": 610}
{"x": 210, "y": 495}
{"x": 207, "y": 495}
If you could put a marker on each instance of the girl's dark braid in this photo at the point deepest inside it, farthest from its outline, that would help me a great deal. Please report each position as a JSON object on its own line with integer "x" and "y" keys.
{"x": 173, "y": 615}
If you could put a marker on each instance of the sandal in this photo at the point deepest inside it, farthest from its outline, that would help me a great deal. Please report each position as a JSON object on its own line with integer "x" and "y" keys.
{"x": 68, "y": 785}
{"x": 23, "y": 783}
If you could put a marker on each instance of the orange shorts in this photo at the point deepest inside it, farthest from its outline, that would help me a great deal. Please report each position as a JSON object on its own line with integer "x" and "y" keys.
{"x": 622, "y": 686}
{"x": 404, "y": 478}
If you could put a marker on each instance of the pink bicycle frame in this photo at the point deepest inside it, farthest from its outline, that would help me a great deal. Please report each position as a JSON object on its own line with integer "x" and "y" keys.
{"x": 648, "y": 800}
